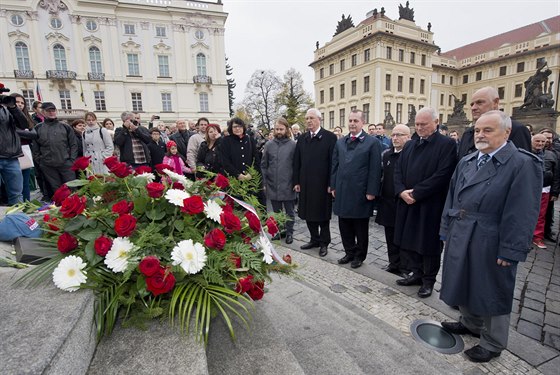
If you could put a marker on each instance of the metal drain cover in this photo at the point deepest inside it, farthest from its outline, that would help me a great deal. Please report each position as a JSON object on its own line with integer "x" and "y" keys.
{"x": 432, "y": 335}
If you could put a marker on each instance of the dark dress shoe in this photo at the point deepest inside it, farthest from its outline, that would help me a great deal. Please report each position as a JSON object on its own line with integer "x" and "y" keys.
{"x": 309, "y": 245}
{"x": 393, "y": 270}
{"x": 345, "y": 259}
{"x": 410, "y": 280}
{"x": 323, "y": 251}
{"x": 289, "y": 239}
{"x": 458, "y": 328}
{"x": 478, "y": 354}
{"x": 356, "y": 263}
{"x": 425, "y": 291}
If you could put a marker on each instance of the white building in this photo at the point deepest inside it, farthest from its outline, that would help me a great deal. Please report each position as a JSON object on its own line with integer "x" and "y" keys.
{"x": 162, "y": 57}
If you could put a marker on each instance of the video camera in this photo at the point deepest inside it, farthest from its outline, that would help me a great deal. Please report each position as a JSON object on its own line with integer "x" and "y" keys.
{"x": 7, "y": 100}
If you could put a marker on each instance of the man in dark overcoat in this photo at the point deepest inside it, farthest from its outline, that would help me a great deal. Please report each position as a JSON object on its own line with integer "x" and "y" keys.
{"x": 488, "y": 220}
{"x": 422, "y": 177}
{"x": 312, "y": 171}
{"x": 355, "y": 182}
{"x": 387, "y": 207}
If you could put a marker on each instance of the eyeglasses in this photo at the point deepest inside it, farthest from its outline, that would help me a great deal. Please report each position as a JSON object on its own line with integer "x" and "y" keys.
{"x": 398, "y": 135}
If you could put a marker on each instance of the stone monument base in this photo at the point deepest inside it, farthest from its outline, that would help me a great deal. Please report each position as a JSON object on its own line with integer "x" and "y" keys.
{"x": 538, "y": 118}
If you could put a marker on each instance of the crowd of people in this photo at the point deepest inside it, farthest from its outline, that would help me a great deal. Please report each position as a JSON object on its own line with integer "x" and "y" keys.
{"x": 479, "y": 199}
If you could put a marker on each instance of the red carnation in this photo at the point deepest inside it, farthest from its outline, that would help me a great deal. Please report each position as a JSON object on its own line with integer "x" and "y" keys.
{"x": 66, "y": 243}
{"x": 272, "y": 226}
{"x": 142, "y": 169}
{"x": 47, "y": 219}
{"x": 162, "y": 282}
{"x": 73, "y": 206}
{"x": 193, "y": 205}
{"x": 257, "y": 292}
{"x": 215, "y": 239}
{"x": 254, "y": 222}
{"x": 161, "y": 167}
{"x": 81, "y": 163}
{"x": 221, "y": 181}
{"x": 230, "y": 222}
{"x": 102, "y": 245}
{"x": 61, "y": 194}
{"x": 125, "y": 225}
{"x": 244, "y": 284}
{"x": 235, "y": 259}
{"x": 155, "y": 189}
{"x": 111, "y": 161}
{"x": 123, "y": 207}
{"x": 149, "y": 265}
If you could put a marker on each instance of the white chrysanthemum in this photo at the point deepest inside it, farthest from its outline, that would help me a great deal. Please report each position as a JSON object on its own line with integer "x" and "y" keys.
{"x": 150, "y": 177}
{"x": 212, "y": 210}
{"x": 97, "y": 198}
{"x": 266, "y": 248}
{"x": 177, "y": 177}
{"x": 69, "y": 273}
{"x": 190, "y": 256}
{"x": 117, "y": 258}
{"x": 176, "y": 196}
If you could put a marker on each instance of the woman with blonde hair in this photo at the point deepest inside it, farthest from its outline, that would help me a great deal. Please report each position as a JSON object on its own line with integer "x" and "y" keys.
{"x": 97, "y": 143}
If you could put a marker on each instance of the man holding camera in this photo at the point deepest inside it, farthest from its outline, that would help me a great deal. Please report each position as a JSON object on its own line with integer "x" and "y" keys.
{"x": 132, "y": 140}
{"x": 10, "y": 147}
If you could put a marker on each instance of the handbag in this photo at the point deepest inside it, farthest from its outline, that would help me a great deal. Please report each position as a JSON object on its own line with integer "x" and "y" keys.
{"x": 26, "y": 161}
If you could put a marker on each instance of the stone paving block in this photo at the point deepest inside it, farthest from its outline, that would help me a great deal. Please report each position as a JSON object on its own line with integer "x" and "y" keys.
{"x": 552, "y": 340}
{"x": 552, "y": 319}
{"x": 553, "y": 288}
{"x": 551, "y": 329}
{"x": 535, "y": 294}
{"x": 529, "y": 329}
{"x": 553, "y": 306}
{"x": 551, "y": 367}
{"x": 533, "y": 304}
{"x": 535, "y": 317}
{"x": 538, "y": 279}
{"x": 553, "y": 295}
{"x": 515, "y": 307}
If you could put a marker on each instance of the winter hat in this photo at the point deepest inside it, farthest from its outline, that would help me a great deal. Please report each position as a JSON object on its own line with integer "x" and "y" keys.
{"x": 170, "y": 144}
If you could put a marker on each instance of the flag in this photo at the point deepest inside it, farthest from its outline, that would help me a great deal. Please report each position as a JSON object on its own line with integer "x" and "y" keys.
{"x": 82, "y": 94}
{"x": 39, "y": 96}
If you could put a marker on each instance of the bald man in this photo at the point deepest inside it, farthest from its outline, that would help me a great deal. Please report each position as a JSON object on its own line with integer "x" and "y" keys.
{"x": 484, "y": 100}
{"x": 387, "y": 201}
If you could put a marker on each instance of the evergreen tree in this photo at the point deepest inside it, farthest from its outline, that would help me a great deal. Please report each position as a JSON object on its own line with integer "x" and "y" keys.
{"x": 344, "y": 24}
{"x": 231, "y": 86}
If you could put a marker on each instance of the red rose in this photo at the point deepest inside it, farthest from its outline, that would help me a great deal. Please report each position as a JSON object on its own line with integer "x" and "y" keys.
{"x": 161, "y": 167}
{"x": 149, "y": 265}
{"x": 102, "y": 245}
{"x": 235, "y": 259}
{"x": 142, "y": 169}
{"x": 47, "y": 219}
{"x": 246, "y": 239}
{"x": 66, "y": 243}
{"x": 244, "y": 284}
{"x": 61, "y": 194}
{"x": 221, "y": 181}
{"x": 230, "y": 222}
{"x": 81, "y": 163}
{"x": 257, "y": 292}
{"x": 125, "y": 225}
{"x": 193, "y": 205}
{"x": 215, "y": 239}
{"x": 272, "y": 226}
{"x": 178, "y": 185}
{"x": 162, "y": 282}
{"x": 123, "y": 207}
{"x": 111, "y": 161}
{"x": 73, "y": 206}
{"x": 254, "y": 222}
{"x": 120, "y": 170}
{"x": 155, "y": 189}
{"x": 287, "y": 258}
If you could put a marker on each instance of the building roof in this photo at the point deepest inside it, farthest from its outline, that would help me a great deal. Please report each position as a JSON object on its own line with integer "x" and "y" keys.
{"x": 523, "y": 34}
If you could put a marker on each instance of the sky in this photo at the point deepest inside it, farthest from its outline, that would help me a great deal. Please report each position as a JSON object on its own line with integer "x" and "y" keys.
{"x": 281, "y": 34}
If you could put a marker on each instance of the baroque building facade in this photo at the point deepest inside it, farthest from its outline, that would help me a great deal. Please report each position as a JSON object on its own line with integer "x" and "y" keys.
{"x": 159, "y": 57}
{"x": 392, "y": 68}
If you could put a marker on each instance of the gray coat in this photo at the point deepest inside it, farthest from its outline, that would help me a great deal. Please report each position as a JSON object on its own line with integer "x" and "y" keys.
{"x": 277, "y": 169}
{"x": 356, "y": 171}
{"x": 489, "y": 214}
{"x": 98, "y": 147}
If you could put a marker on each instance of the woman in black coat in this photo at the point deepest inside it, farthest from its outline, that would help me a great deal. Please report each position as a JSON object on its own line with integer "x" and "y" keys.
{"x": 208, "y": 153}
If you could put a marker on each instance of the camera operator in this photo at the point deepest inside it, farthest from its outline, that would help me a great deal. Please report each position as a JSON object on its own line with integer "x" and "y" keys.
{"x": 132, "y": 140}
{"x": 11, "y": 118}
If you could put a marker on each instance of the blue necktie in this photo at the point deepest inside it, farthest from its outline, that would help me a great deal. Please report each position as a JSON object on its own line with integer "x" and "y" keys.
{"x": 482, "y": 160}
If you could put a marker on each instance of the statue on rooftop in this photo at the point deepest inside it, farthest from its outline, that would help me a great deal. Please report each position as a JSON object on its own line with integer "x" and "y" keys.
{"x": 344, "y": 24}
{"x": 406, "y": 13}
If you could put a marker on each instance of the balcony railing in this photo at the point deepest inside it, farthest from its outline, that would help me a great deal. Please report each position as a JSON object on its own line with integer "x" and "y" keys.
{"x": 96, "y": 76}
{"x": 24, "y": 74}
{"x": 71, "y": 114}
{"x": 202, "y": 79}
{"x": 61, "y": 74}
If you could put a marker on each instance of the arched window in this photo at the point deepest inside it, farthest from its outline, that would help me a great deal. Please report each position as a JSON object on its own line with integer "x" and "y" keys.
{"x": 95, "y": 60}
{"x": 59, "y": 54}
{"x": 22, "y": 56}
{"x": 201, "y": 64}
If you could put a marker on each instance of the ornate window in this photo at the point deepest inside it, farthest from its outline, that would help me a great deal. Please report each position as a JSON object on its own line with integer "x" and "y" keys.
{"x": 163, "y": 65}
{"x": 17, "y": 20}
{"x": 95, "y": 60}
{"x": 201, "y": 64}
{"x": 133, "y": 64}
{"x": 99, "y": 97}
{"x": 203, "y": 102}
{"x": 166, "y": 102}
{"x": 199, "y": 34}
{"x": 65, "y": 99}
{"x": 22, "y": 56}
{"x": 136, "y": 101}
{"x": 91, "y": 25}
{"x": 56, "y": 23}
{"x": 59, "y": 54}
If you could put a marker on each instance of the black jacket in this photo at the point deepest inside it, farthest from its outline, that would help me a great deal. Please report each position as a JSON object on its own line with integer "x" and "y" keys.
{"x": 123, "y": 139}
{"x": 520, "y": 136}
{"x": 182, "y": 140}
{"x": 387, "y": 207}
{"x": 10, "y": 120}
{"x": 56, "y": 144}
{"x": 210, "y": 159}
{"x": 238, "y": 154}
{"x": 157, "y": 152}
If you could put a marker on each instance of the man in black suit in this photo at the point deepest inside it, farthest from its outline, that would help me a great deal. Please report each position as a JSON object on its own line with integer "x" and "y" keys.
{"x": 312, "y": 170}
{"x": 484, "y": 100}
{"x": 422, "y": 176}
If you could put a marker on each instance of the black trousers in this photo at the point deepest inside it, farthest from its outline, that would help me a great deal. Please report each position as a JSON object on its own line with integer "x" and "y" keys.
{"x": 355, "y": 236}
{"x": 323, "y": 238}
{"x": 54, "y": 177}
{"x": 393, "y": 251}
{"x": 289, "y": 208}
{"x": 425, "y": 267}
{"x": 549, "y": 219}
